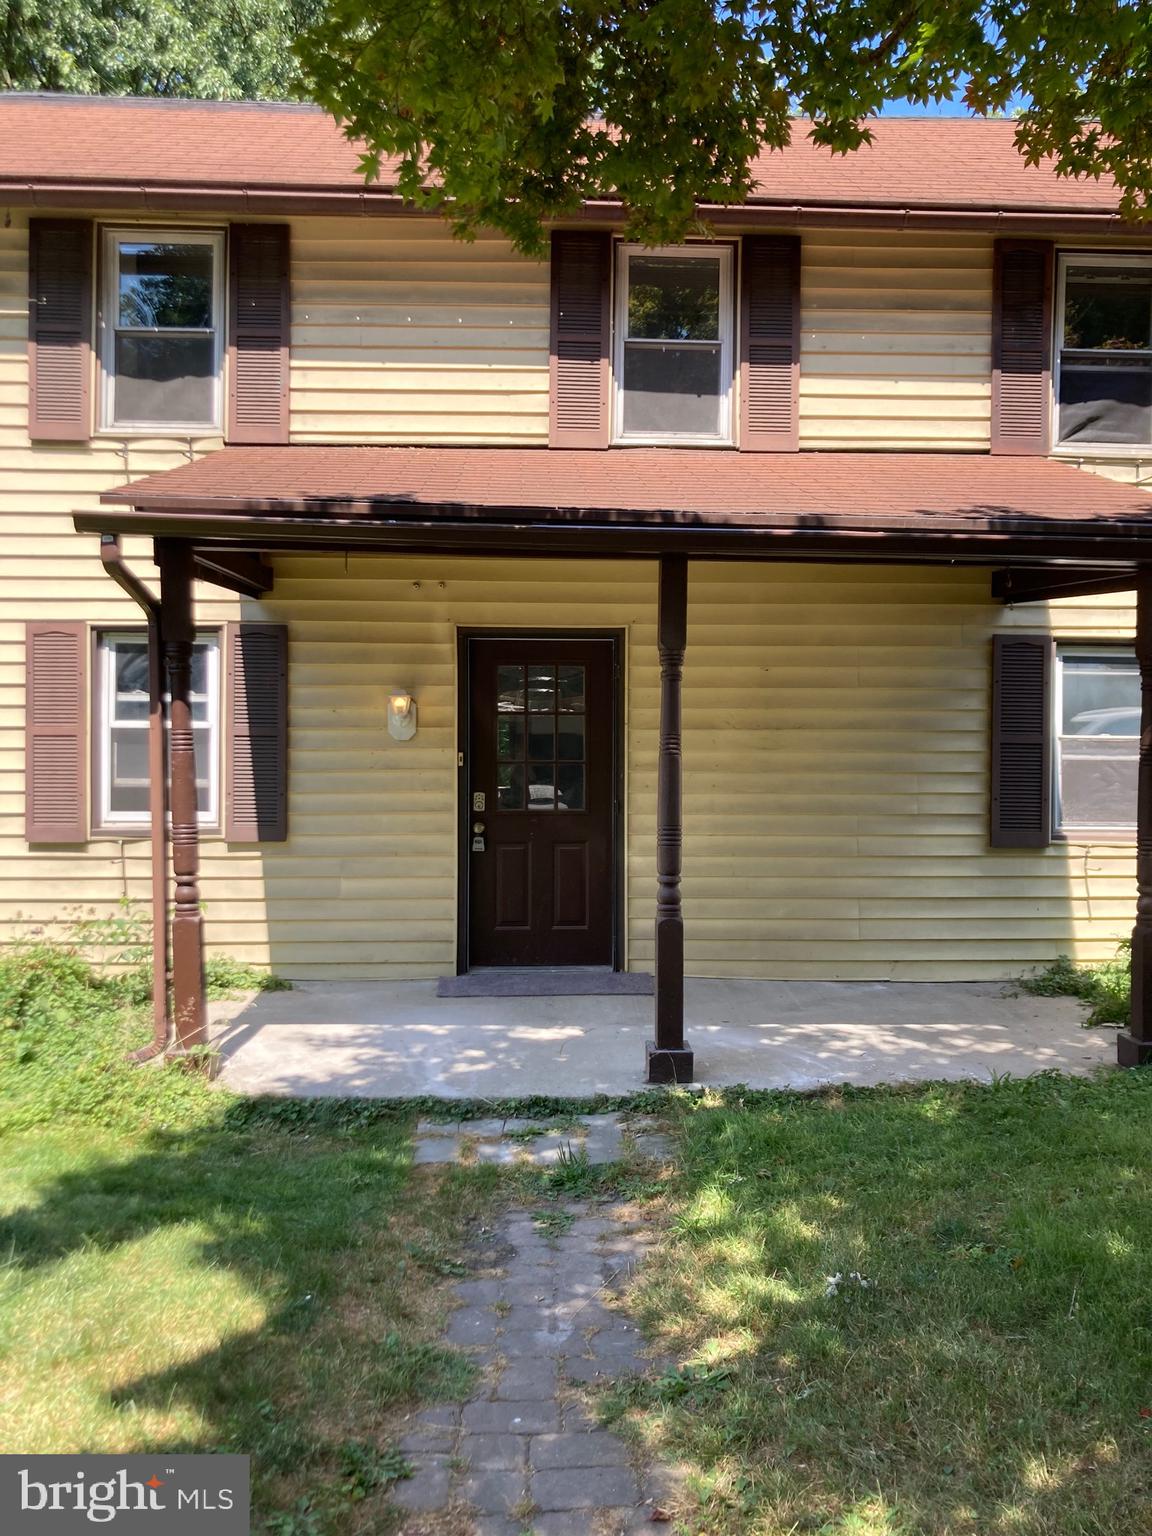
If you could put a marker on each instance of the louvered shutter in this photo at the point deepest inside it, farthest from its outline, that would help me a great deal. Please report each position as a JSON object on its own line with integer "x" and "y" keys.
{"x": 1021, "y": 741}
{"x": 55, "y": 716}
{"x": 256, "y": 789}
{"x": 769, "y": 343}
{"x": 258, "y": 341}
{"x": 581, "y": 273}
{"x": 1021, "y": 346}
{"x": 60, "y": 329}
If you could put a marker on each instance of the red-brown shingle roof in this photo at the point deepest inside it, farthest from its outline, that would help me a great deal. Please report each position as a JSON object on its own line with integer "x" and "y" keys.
{"x": 710, "y": 488}
{"x": 56, "y": 143}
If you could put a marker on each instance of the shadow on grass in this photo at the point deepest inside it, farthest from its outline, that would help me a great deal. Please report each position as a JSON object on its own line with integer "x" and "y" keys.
{"x": 249, "y": 1289}
{"x": 921, "y": 1312}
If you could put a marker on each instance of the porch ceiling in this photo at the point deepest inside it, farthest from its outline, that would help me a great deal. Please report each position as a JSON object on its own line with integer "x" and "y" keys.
{"x": 643, "y": 501}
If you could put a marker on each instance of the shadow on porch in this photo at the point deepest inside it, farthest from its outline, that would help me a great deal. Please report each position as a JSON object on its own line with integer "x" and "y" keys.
{"x": 395, "y": 1039}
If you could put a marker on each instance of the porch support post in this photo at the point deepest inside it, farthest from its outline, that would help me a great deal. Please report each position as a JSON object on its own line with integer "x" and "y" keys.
{"x": 178, "y": 628}
{"x": 669, "y": 1056}
{"x": 1134, "y": 1046}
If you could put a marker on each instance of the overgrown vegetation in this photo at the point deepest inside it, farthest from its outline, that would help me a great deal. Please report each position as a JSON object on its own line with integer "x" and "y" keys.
{"x": 1106, "y": 988}
{"x": 73, "y": 1002}
{"x": 179, "y": 1278}
{"x": 914, "y": 1312}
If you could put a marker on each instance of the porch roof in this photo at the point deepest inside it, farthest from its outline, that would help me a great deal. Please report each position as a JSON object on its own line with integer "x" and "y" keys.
{"x": 645, "y": 499}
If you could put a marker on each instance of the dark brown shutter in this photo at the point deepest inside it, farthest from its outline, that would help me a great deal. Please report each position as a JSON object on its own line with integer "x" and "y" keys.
{"x": 60, "y": 329}
{"x": 579, "y": 414}
{"x": 1021, "y": 741}
{"x": 258, "y": 340}
{"x": 1021, "y": 346}
{"x": 55, "y": 717}
{"x": 770, "y": 343}
{"x": 256, "y": 790}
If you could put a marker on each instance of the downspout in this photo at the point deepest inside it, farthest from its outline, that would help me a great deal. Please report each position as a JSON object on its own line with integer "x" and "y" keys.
{"x": 113, "y": 561}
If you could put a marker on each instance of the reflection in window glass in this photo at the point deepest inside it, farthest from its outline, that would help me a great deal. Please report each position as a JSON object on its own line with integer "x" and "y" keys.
{"x": 122, "y": 726}
{"x": 540, "y": 738}
{"x": 1104, "y": 393}
{"x": 1098, "y": 742}
{"x": 673, "y": 358}
{"x": 162, "y": 328}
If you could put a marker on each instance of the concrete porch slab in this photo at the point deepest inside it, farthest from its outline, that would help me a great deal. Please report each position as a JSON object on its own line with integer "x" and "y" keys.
{"x": 396, "y": 1039}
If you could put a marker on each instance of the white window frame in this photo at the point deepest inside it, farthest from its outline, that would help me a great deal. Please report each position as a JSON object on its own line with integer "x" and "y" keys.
{"x": 1081, "y": 448}
{"x": 112, "y": 239}
{"x": 1116, "y": 831}
{"x": 624, "y": 253}
{"x": 106, "y": 819}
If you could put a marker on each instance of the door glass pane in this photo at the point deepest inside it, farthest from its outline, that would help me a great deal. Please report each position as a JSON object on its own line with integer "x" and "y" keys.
{"x": 673, "y": 298}
{"x": 542, "y": 688}
{"x": 1108, "y": 308}
{"x": 510, "y": 786}
{"x": 570, "y": 688}
{"x": 166, "y": 285}
{"x": 510, "y": 736}
{"x": 672, "y": 389}
{"x": 1101, "y": 696}
{"x": 541, "y": 787}
{"x": 570, "y": 786}
{"x": 570, "y": 738}
{"x": 541, "y": 738}
{"x": 509, "y": 688}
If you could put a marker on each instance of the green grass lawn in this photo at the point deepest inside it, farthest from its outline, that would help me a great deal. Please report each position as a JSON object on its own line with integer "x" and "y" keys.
{"x": 228, "y": 1288}
{"x": 185, "y": 1270}
{"x": 994, "y": 1374}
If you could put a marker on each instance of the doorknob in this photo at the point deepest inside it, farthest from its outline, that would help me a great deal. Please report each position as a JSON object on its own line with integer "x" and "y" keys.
{"x": 477, "y": 837}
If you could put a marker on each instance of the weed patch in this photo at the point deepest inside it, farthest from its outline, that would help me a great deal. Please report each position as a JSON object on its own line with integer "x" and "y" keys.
{"x": 1105, "y": 989}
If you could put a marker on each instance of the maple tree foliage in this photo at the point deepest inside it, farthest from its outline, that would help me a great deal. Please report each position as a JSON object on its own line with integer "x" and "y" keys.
{"x": 221, "y": 49}
{"x": 508, "y": 113}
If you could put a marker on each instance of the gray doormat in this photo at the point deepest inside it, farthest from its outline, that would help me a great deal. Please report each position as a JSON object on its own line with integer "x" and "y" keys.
{"x": 541, "y": 981}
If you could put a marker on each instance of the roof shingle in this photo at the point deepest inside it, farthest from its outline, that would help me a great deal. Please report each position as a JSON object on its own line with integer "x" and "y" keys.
{"x": 705, "y": 487}
{"x": 915, "y": 163}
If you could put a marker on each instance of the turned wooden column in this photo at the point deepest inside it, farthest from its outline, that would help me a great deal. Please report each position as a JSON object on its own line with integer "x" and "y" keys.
{"x": 1134, "y": 1047}
{"x": 178, "y": 628}
{"x": 669, "y": 1056}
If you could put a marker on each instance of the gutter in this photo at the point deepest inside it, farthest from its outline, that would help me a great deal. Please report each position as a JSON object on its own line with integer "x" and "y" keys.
{"x": 271, "y": 200}
{"x": 112, "y": 559}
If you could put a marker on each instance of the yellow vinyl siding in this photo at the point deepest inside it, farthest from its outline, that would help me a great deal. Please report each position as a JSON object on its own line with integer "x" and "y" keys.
{"x": 836, "y": 718}
{"x": 895, "y": 340}
{"x": 401, "y": 334}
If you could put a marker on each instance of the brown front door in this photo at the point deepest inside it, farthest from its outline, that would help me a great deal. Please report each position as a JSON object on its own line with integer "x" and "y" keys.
{"x": 541, "y": 789}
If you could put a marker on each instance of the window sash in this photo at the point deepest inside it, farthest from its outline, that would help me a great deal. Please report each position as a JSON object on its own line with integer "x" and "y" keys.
{"x": 110, "y": 329}
{"x": 722, "y": 254}
{"x": 1073, "y": 356}
{"x": 105, "y": 723}
{"x": 1061, "y": 741}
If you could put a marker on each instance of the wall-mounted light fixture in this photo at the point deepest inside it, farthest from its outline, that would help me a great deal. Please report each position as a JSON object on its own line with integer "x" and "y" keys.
{"x": 401, "y": 716}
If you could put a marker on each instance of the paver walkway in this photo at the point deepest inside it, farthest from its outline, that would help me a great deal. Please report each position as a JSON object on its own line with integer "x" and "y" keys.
{"x": 541, "y": 1319}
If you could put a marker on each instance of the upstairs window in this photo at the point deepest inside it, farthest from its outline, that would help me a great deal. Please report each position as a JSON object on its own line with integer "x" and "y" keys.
{"x": 1098, "y": 739}
{"x": 1104, "y": 358}
{"x": 161, "y": 328}
{"x": 673, "y": 355}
